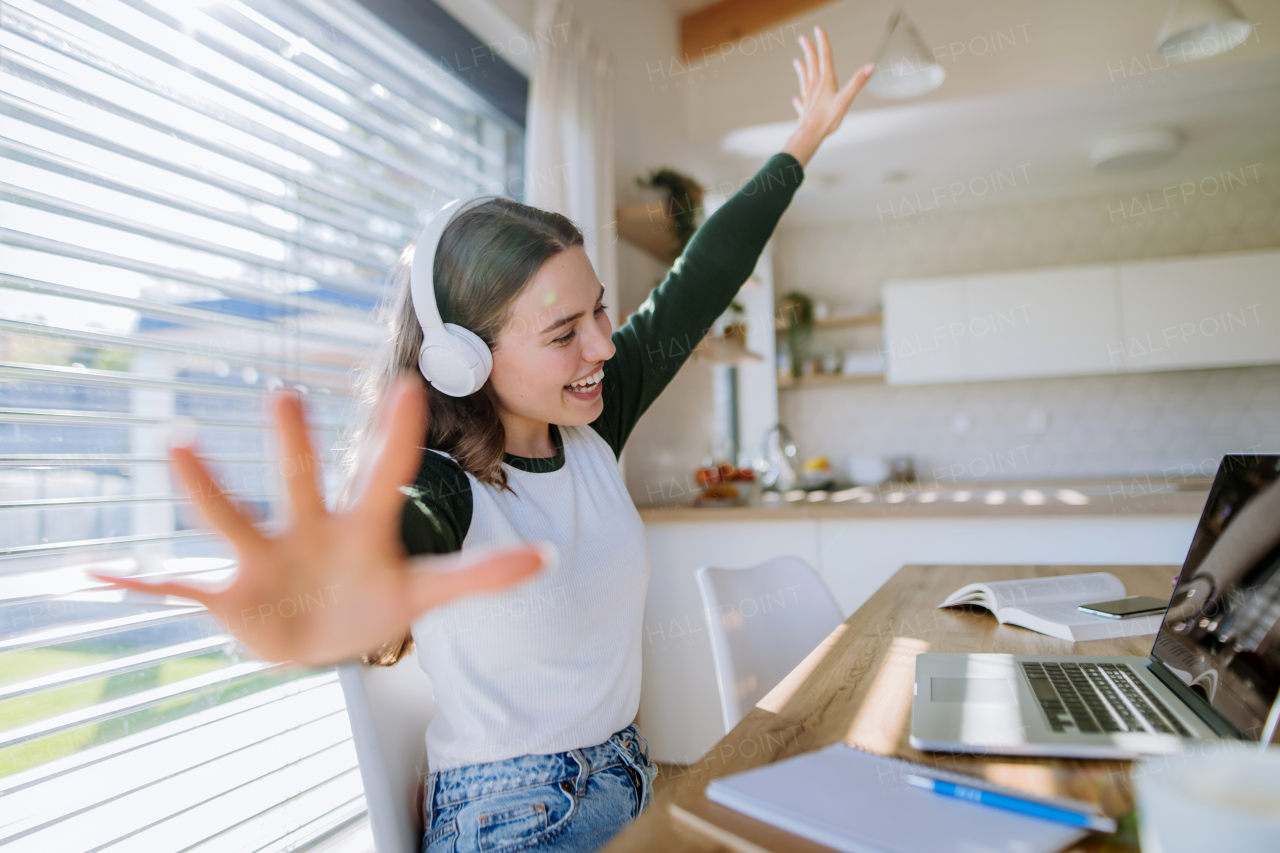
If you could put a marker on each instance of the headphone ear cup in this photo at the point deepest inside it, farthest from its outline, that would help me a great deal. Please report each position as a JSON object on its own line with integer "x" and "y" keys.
{"x": 456, "y": 361}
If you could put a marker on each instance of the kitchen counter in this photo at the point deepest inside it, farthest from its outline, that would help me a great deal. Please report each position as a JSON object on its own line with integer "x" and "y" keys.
{"x": 857, "y": 538}
{"x": 1146, "y": 495}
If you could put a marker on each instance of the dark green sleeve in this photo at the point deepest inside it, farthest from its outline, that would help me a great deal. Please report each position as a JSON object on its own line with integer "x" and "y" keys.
{"x": 437, "y": 514}
{"x": 658, "y": 338}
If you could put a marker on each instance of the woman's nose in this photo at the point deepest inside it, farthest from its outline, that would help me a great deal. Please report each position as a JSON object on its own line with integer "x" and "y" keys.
{"x": 597, "y": 345}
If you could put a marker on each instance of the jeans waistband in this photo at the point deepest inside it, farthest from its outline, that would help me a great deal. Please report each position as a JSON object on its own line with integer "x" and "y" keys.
{"x": 475, "y": 780}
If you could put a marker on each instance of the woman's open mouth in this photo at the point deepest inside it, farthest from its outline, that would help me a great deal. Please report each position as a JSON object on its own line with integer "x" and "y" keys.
{"x": 588, "y": 387}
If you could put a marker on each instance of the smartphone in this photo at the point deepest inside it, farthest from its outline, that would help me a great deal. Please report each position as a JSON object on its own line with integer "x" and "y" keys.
{"x": 1123, "y": 608}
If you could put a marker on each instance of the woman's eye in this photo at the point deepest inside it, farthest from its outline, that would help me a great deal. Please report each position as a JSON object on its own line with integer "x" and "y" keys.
{"x": 600, "y": 310}
{"x": 564, "y": 339}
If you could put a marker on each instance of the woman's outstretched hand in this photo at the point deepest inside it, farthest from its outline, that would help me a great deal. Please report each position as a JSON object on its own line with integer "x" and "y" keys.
{"x": 822, "y": 104}
{"x": 331, "y": 585}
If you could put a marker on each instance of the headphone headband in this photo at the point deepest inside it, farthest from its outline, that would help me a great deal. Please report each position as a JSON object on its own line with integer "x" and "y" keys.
{"x": 453, "y": 359}
{"x": 421, "y": 274}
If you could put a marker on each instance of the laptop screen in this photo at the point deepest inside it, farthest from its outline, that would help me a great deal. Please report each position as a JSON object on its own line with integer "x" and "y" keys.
{"x": 1221, "y": 633}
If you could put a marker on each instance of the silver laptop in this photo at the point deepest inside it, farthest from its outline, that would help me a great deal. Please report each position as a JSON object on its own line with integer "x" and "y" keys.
{"x": 1213, "y": 672}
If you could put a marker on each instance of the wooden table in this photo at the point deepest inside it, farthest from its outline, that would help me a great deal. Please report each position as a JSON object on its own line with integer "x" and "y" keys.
{"x": 856, "y": 688}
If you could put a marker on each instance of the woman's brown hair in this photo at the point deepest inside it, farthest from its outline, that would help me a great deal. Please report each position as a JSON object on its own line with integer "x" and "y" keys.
{"x": 485, "y": 259}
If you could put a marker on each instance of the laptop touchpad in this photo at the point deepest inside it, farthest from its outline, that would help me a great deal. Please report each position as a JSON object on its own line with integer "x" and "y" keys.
{"x": 980, "y": 691}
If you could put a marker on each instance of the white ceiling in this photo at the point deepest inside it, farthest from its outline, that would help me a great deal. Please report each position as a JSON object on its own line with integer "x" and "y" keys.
{"x": 1075, "y": 73}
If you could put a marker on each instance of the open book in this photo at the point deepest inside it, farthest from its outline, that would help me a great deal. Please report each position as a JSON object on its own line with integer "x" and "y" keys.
{"x": 1048, "y": 605}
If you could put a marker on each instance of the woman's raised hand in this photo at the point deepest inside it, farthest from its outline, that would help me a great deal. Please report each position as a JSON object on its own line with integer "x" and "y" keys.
{"x": 331, "y": 585}
{"x": 822, "y": 104}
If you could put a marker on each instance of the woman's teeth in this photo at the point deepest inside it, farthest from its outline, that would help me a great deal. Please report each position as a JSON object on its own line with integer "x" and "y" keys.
{"x": 587, "y": 383}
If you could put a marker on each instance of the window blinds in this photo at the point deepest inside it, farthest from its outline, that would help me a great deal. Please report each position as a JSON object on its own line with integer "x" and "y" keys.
{"x": 199, "y": 202}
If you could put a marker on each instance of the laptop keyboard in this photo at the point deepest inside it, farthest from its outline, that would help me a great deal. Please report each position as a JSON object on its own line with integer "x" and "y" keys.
{"x": 1096, "y": 698}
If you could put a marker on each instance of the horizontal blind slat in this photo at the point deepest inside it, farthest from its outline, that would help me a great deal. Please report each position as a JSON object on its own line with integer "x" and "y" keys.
{"x": 191, "y": 57}
{"x": 18, "y": 152}
{"x": 184, "y": 313}
{"x": 31, "y": 122}
{"x": 136, "y": 343}
{"x": 85, "y": 97}
{"x": 84, "y": 630}
{"x": 287, "y": 705}
{"x": 296, "y": 301}
{"x": 40, "y": 201}
{"x": 70, "y": 417}
{"x": 137, "y": 701}
{"x": 200, "y": 205}
{"x": 188, "y": 62}
{"x": 116, "y": 666}
{"x": 194, "y": 387}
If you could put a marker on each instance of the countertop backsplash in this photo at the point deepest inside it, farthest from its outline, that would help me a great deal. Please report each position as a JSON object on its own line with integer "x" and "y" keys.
{"x": 1088, "y": 426}
{"x": 1134, "y": 424}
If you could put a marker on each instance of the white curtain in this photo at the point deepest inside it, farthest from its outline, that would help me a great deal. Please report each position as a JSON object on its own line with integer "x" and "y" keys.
{"x": 569, "y": 136}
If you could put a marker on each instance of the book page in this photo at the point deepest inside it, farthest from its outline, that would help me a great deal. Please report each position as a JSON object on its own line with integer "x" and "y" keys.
{"x": 1065, "y": 621}
{"x": 1073, "y": 589}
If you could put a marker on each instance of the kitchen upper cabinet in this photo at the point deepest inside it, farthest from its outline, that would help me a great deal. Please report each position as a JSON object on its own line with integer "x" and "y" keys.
{"x": 924, "y": 331}
{"x": 1208, "y": 311}
{"x": 1050, "y": 322}
{"x": 1215, "y": 311}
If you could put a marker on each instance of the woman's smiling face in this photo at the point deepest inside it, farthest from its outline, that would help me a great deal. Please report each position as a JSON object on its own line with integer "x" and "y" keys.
{"x": 548, "y": 360}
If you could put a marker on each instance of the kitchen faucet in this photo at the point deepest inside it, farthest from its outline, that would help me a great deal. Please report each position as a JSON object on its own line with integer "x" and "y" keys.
{"x": 781, "y": 471}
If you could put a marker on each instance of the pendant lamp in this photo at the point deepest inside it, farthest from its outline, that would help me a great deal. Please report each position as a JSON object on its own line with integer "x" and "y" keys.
{"x": 1195, "y": 29}
{"x": 905, "y": 68}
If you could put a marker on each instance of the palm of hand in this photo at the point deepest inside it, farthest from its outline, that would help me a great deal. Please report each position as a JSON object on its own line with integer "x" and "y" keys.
{"x": 822, "y": 103}
{"x": 330, "y": 585}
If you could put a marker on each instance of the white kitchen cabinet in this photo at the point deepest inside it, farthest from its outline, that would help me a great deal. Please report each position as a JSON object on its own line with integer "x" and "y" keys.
{"x": 1050, "y": 322}
{"x": 679, "y": 703}
{"x": 1215, "y": 311}
{"x": 1177, "y": 314}
{"x": 924, "y": 331}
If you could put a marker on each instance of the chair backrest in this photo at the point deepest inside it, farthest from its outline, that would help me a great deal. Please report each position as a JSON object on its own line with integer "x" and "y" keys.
{"x": 762, "y": 621}
{"x": 389, "y": 708}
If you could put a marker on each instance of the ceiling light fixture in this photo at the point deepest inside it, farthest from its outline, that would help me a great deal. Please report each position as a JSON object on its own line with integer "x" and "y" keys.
{"x": 1196, "y": 29}
{"x": 1135, "y": 149}
{"x": 905, "y": 68}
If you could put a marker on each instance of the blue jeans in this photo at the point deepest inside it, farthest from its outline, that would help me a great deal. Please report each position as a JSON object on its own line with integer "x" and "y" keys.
{"x": 569, "y": 802}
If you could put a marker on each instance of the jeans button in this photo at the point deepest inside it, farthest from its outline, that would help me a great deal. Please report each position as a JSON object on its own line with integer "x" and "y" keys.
{"x": 566, "y": 786}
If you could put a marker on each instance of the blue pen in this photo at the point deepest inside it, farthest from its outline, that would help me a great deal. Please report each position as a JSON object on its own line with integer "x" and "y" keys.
{"x": 1014, "y": 804}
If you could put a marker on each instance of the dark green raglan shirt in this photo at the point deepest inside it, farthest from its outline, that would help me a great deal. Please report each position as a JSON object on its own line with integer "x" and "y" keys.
{"x": 655, "y": 341}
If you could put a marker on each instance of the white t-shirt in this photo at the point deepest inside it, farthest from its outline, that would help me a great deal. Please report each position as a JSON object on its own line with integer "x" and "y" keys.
{"x": 553, "y": 663}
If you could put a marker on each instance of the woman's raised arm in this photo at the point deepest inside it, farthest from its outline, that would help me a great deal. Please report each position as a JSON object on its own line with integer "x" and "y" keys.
{"x": 331, "y": 585}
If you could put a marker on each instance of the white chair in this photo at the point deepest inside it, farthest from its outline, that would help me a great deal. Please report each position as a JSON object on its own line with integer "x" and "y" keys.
{"x": 762, "y": 621}
{"x": 389, "y": 708}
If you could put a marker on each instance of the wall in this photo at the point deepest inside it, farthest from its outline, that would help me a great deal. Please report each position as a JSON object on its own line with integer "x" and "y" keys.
{"x": 1138, "y": 423}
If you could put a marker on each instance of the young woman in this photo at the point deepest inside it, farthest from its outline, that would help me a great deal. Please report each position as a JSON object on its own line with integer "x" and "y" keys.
{"x": 536, "y": 684}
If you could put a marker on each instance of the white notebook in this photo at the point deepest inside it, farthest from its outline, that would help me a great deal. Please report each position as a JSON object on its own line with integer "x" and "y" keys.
{"x": 1049, "y": 606}
{"x": 858, "y": 802}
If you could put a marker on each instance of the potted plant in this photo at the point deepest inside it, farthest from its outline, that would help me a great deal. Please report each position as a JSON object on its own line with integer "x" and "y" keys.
{"x": 796, "y": 311}
{"x": 683, "y": 202}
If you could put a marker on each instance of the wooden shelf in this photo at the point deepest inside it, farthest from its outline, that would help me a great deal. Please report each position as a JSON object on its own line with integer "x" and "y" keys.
{"x": 826, "y": 379}
{"x": 871, "y": 318}
{"x": 640, "y": 225}
{"x": 720, "y": 350}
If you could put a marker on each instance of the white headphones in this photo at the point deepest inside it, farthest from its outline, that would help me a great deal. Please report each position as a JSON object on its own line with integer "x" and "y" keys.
{"x": 453, "y": 359}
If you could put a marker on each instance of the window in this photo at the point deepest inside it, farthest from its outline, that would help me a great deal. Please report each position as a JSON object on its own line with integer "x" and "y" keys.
{"x": 199, "y": 202}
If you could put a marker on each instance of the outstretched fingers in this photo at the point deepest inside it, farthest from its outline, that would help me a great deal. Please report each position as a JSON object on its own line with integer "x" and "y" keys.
{"x": 213, "y": 503}
{"x": 851, "y": 89}
{"x": 181, "y": 590}
{"x": 810, "y": 60}
{"x": 403, "y": 432}
{"x": 432, "y": 586}
{"x": 826, "y": 65}
{"x": 804, "y": 79}
{"x": 298, "y": 464}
